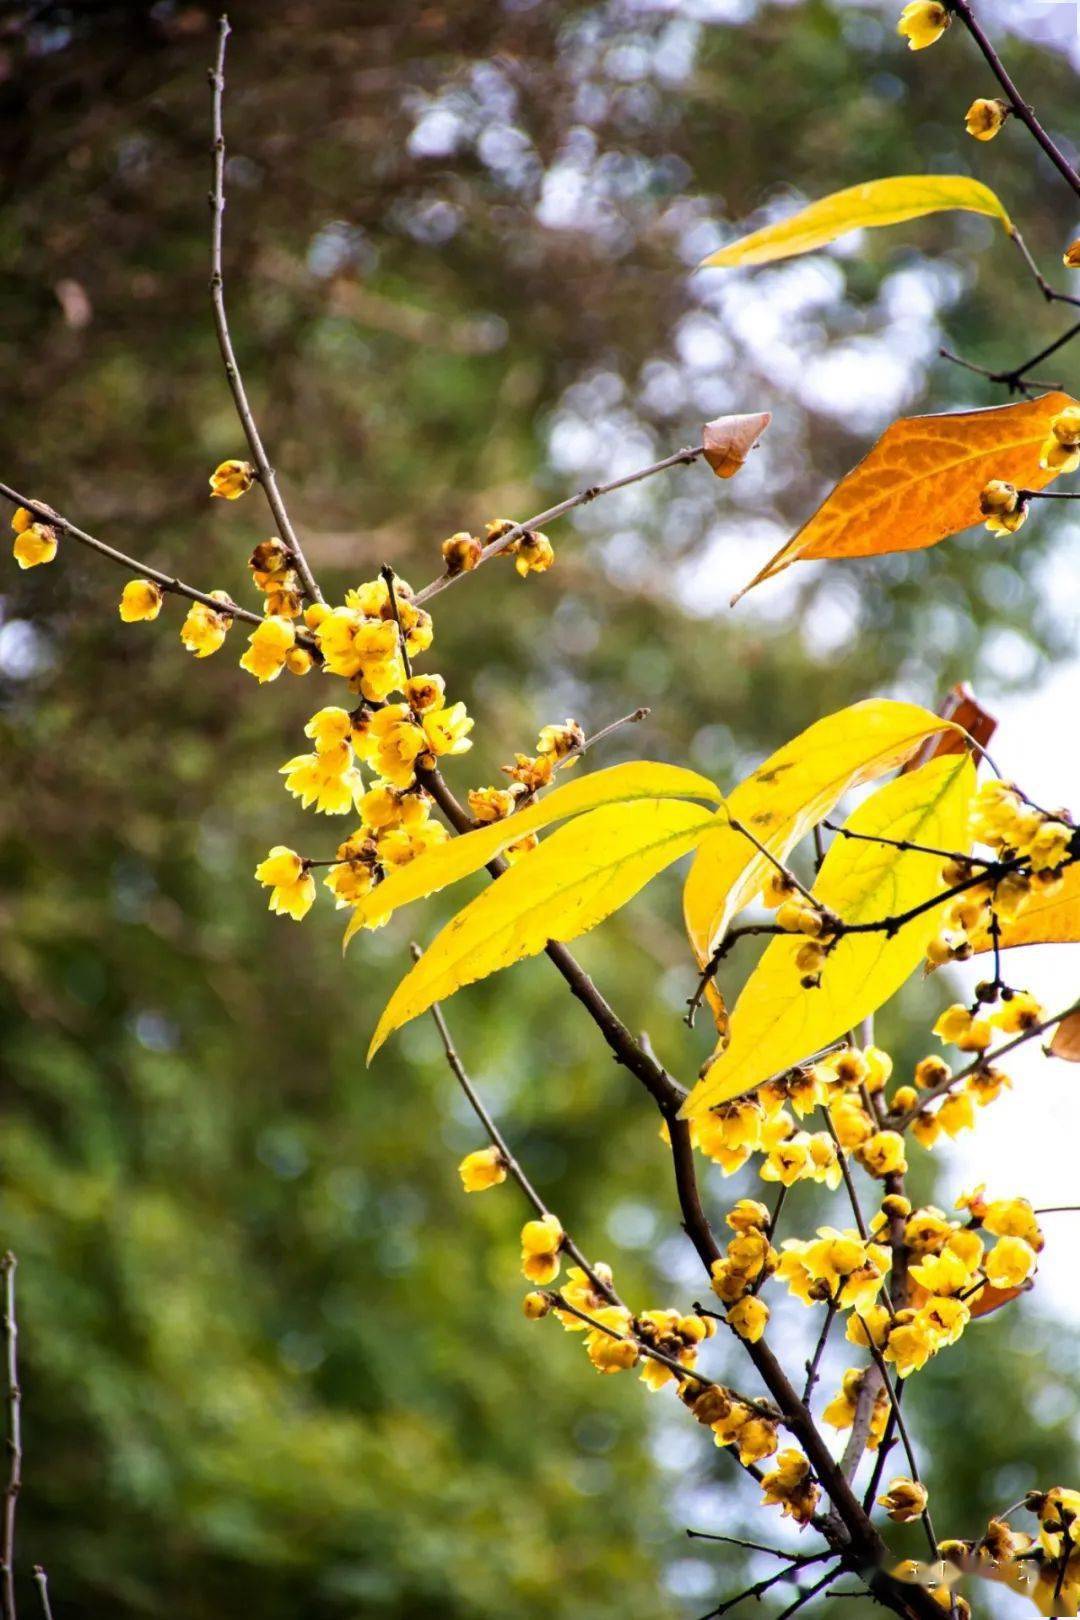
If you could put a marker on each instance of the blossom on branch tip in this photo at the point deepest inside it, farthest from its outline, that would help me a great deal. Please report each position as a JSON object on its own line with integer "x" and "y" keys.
{"x": 140, "y": 599}
{"x": 291, "y": 884}
{"x": 922, "y": 23}
{"x": 1001, "y": 506}
{"x": 232, "y": 479}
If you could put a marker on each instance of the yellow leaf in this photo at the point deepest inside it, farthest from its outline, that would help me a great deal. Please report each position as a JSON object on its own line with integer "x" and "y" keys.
{"x": 922, "y": 481}
{"x": 784, "y": 798}
{"x": 576, "y": 878}
{"x": 776, "y": 1023}
{"x": 446, "y": 863}
{"x": 877, "y": 202}
{"x": 1045, "y": 920}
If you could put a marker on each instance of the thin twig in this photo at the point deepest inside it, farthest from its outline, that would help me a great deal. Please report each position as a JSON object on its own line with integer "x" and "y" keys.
{"x": 879, "y": 1361}
{"x": 819, "y": 1350}
{"x": 42, "y": 1582}
{"x": 14, "y": 1439}
{"x": 1020, "y": 108}
{"x": 267, "y": 476}
{"x": 805, "y": 1597}
{"x": 168, "y": 582}
{"x": 740, "y": 1541}
{"x": 582, "y": 498}
{"x": 509, "y": 1159}
{"x": 984, "y": 1060}
{"x": 799, "y": 1562}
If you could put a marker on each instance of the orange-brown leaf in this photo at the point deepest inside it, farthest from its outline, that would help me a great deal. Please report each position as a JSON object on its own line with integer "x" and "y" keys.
{"x": 992, "y": 1299}
{"x": 1066, "y": 1041}
{"x": 963, "y": 708}
{"x": 1045, "y": 920}
{"x": 728, "y": 440}
{"x": 922, "y": 480}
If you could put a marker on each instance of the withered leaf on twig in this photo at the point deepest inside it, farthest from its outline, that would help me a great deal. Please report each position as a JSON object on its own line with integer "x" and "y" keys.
{"x": 1066, "y": 1041}
{"x": 728, "y": 440}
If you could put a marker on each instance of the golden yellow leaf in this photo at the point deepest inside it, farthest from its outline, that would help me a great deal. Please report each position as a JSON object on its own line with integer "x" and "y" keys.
{"x": 776, "y": 1023}
{"x": 446, "y": 863}
{"x": 922, "y": 481}
{"x": 576, "y": 878}
{"x": 1045, "y": 920}
{"x": 784, "y": 798}
{"x": 876, "y": 202}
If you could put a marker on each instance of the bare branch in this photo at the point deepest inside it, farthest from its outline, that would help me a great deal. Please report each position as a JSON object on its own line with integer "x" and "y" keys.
{"x": 681, "y": 458}
{"x": 168, "y": 582}
{"x": 267, "y": 476}
{"x": 14, "y": 1440}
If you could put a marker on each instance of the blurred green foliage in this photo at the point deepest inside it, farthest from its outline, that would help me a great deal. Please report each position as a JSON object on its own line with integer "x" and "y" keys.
{"x": 271, "y": 1356}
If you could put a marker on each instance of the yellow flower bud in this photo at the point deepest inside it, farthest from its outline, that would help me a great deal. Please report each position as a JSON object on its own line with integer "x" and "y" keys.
{"x": 141, "y": 599}
{"x": 232, "y": 479}
{"x": 749, "y": 1317}
{"x": 922, "y": 23}
{"x": 904, "y": 1500}
{"x": 984, "y": 118}
{"x": 535, "y": 1305}
{"x": 482, "y": 1169}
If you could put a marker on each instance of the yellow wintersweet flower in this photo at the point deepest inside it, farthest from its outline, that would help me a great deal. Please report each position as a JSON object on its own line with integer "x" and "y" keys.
{"x": 204, "y": 630}
{"x": 1071, "y": 257}
{"x": 958, "y": 1027}
{"x": 447, "y": 730}
{"x": 1061, "y": 451}
{"x": 789, "y": 1487}
{"x": 985, "y": 117}
{"x": 1010, "y": 1262}
{"x": 35, "y": 543}
{"x": 541, "y": 1241}
{"x": 393, "y": 742}
{"x": 140, "y": 599}
{"x": 1012, "y": 1217}
{"x": 904, "y": 1500}
{"x": 354, "y": 875}
{"x": 482, "y": 1169}
{"x": 749, "y": 1317}
{"x": 580, "y": 1291}
{"x": 610, "y": 1354}
{"x": 560, "y": 740}
{"x": 1001, "y": 506}
{"x": 532, "y": 552}
{"x": 1019, "y": 1012}
{"x": 748, "y": 1215}
{"x": 922, "y": 23}
{"x": 329, "y": 728}
{"x": 328, "y": 779}
{"x": 291, "y": 884}
{"x": 491, "y": 804}
{"x": 957, "y": 1113}
{"x": 269, "y": 644}
{"x": 461, "y": 552}
{"x": 883, "y": 1154}
{"x": 232, "y": 479}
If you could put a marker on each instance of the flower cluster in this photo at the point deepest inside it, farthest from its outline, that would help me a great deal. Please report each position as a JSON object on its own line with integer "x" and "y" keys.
{"x": 1034, "y": 844}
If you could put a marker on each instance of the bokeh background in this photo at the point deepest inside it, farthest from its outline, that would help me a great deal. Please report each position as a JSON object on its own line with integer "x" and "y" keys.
{"x": 272, "y": 1357}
